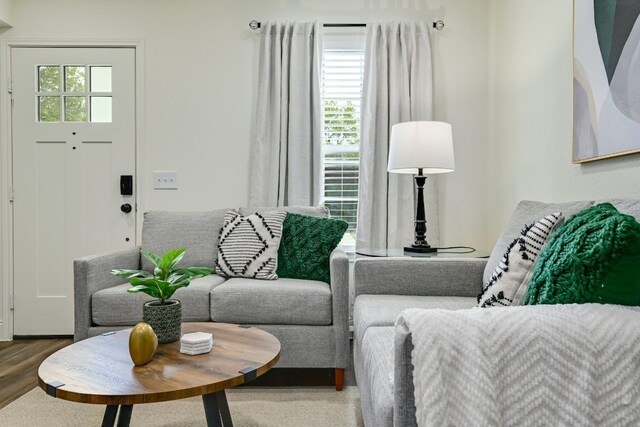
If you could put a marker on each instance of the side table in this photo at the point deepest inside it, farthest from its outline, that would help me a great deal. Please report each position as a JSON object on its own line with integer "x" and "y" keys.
{"x": 459, "y": 252}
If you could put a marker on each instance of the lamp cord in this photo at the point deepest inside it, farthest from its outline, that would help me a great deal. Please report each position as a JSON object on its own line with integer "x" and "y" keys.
{"x": 468, "y": 250}
{"x": 442, "y": 250}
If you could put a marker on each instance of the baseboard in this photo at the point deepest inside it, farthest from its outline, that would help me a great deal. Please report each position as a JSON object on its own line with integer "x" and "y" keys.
{"x": 42, "y": 337}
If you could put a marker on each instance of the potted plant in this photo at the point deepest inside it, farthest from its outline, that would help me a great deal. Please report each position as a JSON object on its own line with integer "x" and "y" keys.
{"x": 163, "y": 314}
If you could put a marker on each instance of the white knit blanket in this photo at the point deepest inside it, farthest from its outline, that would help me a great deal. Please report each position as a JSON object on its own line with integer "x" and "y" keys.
{"x": 571, "y": 365}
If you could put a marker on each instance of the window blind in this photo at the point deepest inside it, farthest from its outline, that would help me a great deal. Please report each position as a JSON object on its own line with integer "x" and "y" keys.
{"x": 341, "y": 90}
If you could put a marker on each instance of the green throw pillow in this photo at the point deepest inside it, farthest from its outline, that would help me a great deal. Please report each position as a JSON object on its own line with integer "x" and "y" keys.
{"x": 307, "y": 243}
{"x": 594, "y": 257}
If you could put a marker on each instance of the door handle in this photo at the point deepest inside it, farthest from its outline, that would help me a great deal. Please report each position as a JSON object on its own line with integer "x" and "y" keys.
{"x": 126, "y": 208}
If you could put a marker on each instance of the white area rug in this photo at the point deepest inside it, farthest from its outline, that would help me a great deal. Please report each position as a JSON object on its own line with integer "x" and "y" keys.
{"x": 250, "y": 407}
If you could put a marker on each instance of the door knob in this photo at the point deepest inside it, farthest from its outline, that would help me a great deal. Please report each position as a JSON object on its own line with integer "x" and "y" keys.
{"x": 126, "y": 208}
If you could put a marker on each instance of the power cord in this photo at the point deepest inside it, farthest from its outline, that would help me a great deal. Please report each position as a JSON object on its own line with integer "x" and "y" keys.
{"x": 468, "y": 250}
{"x": 370, "y": 255}
{"x": 442, "y": 250}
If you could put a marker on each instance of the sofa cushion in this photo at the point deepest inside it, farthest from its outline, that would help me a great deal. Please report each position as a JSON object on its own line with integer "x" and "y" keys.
{"x": 197, "y": 232}
{"x": 320, "y": 211}
{"x": 248, "y": 245}
{"x": 510, "y": 281}
{"x": 376, "y": 355}
{"x": 525, "y": 213}
{"x": 383, "y": 310}
{"x": 116, "y": 307}
{"x": 275, "y": 302}
{"x": 593, "y": 258}
{"x": 306, "y": 246}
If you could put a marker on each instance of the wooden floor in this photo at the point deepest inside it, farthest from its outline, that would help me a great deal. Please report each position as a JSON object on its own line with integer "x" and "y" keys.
{"x": 19, "y": 361}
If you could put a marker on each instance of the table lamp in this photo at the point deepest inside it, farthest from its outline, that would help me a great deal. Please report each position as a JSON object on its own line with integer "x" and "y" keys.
{"x": 421, "y": 148}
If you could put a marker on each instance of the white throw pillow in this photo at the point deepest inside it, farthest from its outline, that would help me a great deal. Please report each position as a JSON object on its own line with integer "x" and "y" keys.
{"x": 509, "y": 282}
{"x": 248, "y": 245}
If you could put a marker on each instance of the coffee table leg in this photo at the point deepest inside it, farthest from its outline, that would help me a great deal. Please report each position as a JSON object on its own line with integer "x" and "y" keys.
{"x": 110, "y": 414}
{"x": 224, "y": 409}
{"x": 216, "y": 410}
{"x": 125, "y": 415}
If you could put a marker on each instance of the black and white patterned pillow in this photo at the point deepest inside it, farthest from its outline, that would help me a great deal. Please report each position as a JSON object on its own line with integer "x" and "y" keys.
{"x": 248, "y": 245}
{"x": 509, "y": 282}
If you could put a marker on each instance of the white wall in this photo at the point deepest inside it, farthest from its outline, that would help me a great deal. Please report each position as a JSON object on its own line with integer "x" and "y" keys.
{"x": 531, "y": 120}
{"x": 461, "y": 72}
{"x": 200, "y": 81}
{"x": 5, "y": 14}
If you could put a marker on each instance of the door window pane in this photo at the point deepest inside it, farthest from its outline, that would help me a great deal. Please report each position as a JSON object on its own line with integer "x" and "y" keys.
{"x": 74, "y": 93}
{"x": 100, "y": 79}
{"x": 49, "y": 108}
{"x": 75, "y": 109}
{"x": 49, "y": 78}
{"x": 74, "y": 78}
{"x": 101, "y": 109}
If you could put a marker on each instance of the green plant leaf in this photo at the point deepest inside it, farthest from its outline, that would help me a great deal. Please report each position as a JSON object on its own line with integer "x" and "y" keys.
{"x": 170, "y": 292}
{"x": 127, "y": 274}
{"x": 152, "y": 292}
{"x": 178, "y": 285}
{"x": 154, "y": 258}
{"x": 178, "y": 278}
{"x": 156, "y": 288}
{"x": 171, "y": 258}
{"x": 181, "y": 278}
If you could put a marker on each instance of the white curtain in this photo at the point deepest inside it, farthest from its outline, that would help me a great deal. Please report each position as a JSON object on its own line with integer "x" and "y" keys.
{"x": 397, "y": 88}
{"x": 286, "y": 158}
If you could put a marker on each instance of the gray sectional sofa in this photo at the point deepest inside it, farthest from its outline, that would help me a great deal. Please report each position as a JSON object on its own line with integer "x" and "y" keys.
{"x": 310, "y": 318}
{"x": 385, "y": 287}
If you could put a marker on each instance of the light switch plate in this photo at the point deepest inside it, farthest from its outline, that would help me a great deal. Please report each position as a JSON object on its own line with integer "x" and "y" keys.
{"x": 165, "y": 180}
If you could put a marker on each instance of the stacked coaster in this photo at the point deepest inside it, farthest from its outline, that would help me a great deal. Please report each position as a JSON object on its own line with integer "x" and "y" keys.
{"x": 196, "y": 343}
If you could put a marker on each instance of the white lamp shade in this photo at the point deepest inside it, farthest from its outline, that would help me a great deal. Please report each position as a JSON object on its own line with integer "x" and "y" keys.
{"x": 421, "y": 145}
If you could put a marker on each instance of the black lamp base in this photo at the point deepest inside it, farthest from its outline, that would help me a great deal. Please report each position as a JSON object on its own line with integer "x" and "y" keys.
{"x": 420, "y": 245}
{"x": 420, "y": 249}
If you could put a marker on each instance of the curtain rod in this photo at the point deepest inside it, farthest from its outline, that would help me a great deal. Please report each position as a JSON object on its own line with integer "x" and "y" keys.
{"x": 254, "y": 25}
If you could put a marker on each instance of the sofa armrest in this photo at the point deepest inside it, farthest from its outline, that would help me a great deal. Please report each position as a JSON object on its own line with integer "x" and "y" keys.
{"x": 404, "y": 402}
{"x": 339, "y": 269}
{"x": 91, "y": 274}
{"x": 419, "y": 276}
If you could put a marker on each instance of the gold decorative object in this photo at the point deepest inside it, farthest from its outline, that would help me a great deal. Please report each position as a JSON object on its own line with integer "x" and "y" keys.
{"x": 143, "y": 344}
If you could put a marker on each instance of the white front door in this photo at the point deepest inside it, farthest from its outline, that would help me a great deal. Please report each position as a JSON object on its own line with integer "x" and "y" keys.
{"x": 73, "y": 137}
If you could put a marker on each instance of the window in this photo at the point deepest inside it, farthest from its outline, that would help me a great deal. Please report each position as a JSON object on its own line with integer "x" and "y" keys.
{"x": 341, "y": 91}
{"x": 74, "y": 93}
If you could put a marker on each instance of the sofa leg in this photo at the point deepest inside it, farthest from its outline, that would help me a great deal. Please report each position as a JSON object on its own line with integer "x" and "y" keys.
{"x": 339, "y": 379}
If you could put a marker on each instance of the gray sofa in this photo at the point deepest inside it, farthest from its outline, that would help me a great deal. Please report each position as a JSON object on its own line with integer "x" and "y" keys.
{"x": 384, "y": 287}
{"x": 309, "y": 318}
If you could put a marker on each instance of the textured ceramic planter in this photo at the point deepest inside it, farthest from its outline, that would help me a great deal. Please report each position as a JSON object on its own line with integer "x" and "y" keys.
{"x": 166, "y": 320}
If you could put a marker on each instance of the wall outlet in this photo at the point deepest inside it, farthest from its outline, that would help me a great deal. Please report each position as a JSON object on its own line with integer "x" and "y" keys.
{"x": 165, "y": 180}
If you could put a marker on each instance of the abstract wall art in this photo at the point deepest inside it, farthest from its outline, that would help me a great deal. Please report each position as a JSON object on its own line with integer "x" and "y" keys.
{"x": 606, "y": 79}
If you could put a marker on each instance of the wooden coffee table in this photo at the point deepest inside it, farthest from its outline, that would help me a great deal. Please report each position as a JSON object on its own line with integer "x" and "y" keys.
{"x": 99, "y": 370}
